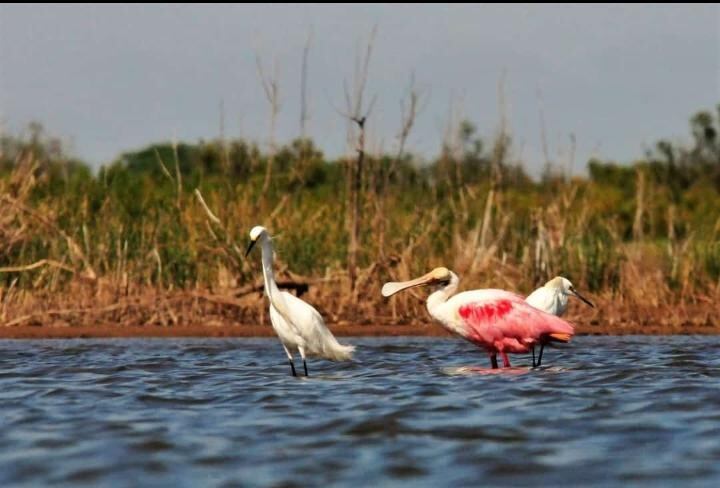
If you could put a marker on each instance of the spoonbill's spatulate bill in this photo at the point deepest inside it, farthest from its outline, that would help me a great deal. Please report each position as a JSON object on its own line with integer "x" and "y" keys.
{"x": 496, "y": 320}
{"x": 299, "y": 326}
{"x": 552, "y": 298}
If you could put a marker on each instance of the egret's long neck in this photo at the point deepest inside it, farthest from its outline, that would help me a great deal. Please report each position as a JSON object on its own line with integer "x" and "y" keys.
{"x": 558, "y": 303}
{"x": 440, "y": 296}
{"x": 271, "y": 288}
{"x": 562, "y": 300}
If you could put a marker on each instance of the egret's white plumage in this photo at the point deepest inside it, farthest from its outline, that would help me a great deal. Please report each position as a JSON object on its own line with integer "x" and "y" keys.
{"x": 552, "y": 298}
{"x": 299, "y": 326}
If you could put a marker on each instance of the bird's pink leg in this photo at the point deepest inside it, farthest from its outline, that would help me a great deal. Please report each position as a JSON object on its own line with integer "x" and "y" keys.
{"x": 506, "y": 360}
{"x": 493, "y": 360}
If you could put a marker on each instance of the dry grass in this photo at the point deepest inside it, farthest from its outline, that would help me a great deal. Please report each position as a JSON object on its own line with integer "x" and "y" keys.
{"x": 180, "y": 263}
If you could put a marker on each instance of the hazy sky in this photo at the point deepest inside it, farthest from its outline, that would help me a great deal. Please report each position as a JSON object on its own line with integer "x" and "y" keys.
{"x": 113, "y": 78}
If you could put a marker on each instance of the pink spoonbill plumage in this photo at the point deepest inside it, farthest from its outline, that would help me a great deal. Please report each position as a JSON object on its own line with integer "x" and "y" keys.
{"x": 499, "y": 321}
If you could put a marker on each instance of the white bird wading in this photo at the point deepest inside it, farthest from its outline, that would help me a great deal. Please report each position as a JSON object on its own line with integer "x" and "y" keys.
{"x": 552, "y": 298}
{"x": 298, "y": 325}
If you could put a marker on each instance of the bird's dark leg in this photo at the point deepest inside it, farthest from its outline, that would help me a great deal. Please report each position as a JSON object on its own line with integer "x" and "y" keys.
{"x": 289, "y": 356}
{"x": 302, "y": 354}
{"x": 542, "y": 347}
{"x": 533, "y": 353}
{"x": 493, "y": 361}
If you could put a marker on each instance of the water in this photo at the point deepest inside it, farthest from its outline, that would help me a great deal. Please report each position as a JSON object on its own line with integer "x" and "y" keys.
{"x": 409, "y": 412}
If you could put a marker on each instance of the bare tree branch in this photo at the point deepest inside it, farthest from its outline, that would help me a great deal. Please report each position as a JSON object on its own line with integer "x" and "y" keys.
{"x": 361, "y": 80}
{"x": 272, "y": 93}
{"x": 304, "y": 116}
{"x": 357, "y": 113}
{"x": 416, "y": 102}
{"x": 543, "y": 134}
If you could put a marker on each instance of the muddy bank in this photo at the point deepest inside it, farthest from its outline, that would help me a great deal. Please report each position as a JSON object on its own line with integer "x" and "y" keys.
{"x": 66, "y": 332}
{"x": 149, "y": 313}
{"x": 341, "y": 330}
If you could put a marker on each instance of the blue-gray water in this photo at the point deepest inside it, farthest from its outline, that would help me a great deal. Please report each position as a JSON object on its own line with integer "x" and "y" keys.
{"x": 409, "y": 411}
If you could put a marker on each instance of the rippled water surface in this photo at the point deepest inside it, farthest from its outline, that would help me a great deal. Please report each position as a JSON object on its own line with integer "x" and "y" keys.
{"x": 409, "y": 411}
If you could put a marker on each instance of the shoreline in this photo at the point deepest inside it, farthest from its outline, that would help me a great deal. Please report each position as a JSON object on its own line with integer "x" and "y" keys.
{"x": 196, "y": 313}
{"x": 340, "y": 330}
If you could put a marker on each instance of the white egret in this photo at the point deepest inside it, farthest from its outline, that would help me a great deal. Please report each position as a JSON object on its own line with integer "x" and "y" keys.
{"x": 299, "y": 326}
{"x": 552, "y": 298}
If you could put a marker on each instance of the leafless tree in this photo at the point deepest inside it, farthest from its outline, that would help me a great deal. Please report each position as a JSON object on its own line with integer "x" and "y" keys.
{"x": 225, "y": 155}
{"x": 412, "y": 103}
{"x": 270, "y": 87}
{"x": 304, "y": 114}
{"x": 543, "y": 131}
{"x": 571, "y": 157}
{"x": 357, "y": 113}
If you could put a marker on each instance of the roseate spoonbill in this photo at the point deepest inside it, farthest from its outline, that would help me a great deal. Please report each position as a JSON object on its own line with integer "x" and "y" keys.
{"x": 299, "y": 326}
{"x": 552, "y": 298}
{"x": 496, "y": 320}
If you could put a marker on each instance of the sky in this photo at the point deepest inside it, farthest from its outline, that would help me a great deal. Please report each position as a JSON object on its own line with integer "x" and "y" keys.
{"x": 112, "y": 78}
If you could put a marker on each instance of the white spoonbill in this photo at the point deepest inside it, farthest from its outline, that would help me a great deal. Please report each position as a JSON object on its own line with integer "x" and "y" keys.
{"x": 552, "y": 298}
{"x": 299, "y": 326}
{"x": 496, "y": 320}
